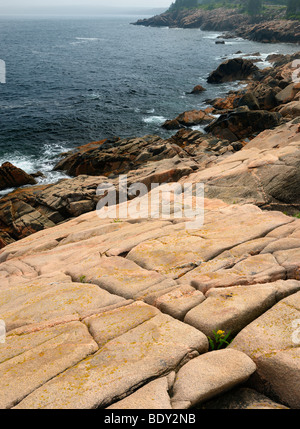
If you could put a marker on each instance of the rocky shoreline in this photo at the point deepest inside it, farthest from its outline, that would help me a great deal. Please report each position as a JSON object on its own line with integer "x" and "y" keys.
{"x": 233, "y": 22}
{"x": 122, "y": 313}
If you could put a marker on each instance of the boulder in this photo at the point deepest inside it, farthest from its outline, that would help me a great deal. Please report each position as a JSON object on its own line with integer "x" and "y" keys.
{"x": 288, "y": 93}
{"x": 209, "y": 375}
{"x": 13, "y": 177}
{"x": 198, "y": 89}
{"x": 291, "y": 110}
{"x": 231, "y": 70}
{"x": 188, "y": 119}
{"x": 249, "y": 100}
{"x": 242, "y": 123}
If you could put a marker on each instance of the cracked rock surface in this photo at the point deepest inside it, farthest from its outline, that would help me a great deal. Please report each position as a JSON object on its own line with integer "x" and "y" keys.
{"x": 117, "y": 314}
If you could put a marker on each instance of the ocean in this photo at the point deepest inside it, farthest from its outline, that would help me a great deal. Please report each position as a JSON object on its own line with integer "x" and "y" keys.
{"x": 70, "y": 81}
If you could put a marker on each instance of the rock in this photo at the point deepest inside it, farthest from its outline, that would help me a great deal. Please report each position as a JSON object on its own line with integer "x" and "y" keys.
{"x": 266, "y": 96}
{"x": 207, "y": 376}
{"x": 13, "y": 177}
{"x": 111, "y": 372}
{"x": 152, "y": 396}
{"x": 245, "y": 399}
{"x": 220, "y": 42}
{"x": 224, "y": 20}
{"x": 250, "y": 101}
{"x": 232, "y": 308}
{"x": 242, "y": 123}
{"x": 271, "y": 341}
{"x": 291, "y": 110}
{"x": 172, "y": 124}
{"x": 38, "y": 174}
{"x": 272, "y": 31}
{"x": 198, "y": 89}
{"x": 179, "y": 301}
{"x": 231, "y": 70}
{"x": 256, "y": 174}
{"x": 188, "y": 119}
{"x": 288, "y": 93}
{"x": 42, "y": 354}
{"x": 78, "y": 282}
{"x": 117, "y": 157}
{"x": 29, "y": 210}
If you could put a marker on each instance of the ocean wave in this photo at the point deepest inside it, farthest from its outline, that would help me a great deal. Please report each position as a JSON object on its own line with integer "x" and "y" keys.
{"x": 34, "y": 163}
{"x": 154, "y": 119}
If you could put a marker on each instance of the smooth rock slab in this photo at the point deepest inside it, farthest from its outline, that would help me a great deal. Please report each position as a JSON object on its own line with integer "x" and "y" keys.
{"x": 111, "y": 324}
{"x": 177, "y": 254}
{"x": 150, "y": 350}
{"x": 179, "y": 301}
{"x": 30, "y": 360}
{"x": 273, "y": 342}
{"x": 209, "y": 375}
{"x": 152, "y": 396}
{"x": 42, "y": 300}
{"x": 119, "y": 276}
{"x": 231, "y": 309}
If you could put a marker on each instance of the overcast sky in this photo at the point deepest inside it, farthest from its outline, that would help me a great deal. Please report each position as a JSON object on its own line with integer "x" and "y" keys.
{"x": 21, "y": 5}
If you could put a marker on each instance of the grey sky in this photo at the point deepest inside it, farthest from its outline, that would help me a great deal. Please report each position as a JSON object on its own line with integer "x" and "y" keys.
{"x": 40, "y": 4}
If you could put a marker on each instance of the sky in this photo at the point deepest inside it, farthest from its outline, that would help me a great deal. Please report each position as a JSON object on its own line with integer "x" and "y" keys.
{"x": 16, "y": 6}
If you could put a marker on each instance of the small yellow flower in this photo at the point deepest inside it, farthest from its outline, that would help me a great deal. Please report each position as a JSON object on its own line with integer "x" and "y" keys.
{"x": 221, "y": 333}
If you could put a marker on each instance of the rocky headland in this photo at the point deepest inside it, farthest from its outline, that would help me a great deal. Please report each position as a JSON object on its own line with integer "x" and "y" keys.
{"x": 121, "y": 313}
{"x": 270, "y": 28}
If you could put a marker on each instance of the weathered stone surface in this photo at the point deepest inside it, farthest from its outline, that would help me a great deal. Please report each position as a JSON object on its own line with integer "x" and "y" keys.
{"x": 152, "y": 396}
{"x": 183, "y": 253}
{"x": 272, "y": 341}
{"x": 41, "y": 300}
{"x": 288, "y": 93}
{"x": 265, "y": 172}
{"x": 179, "y": 301}
{"x": 291, "y": 110}
{"x": 231, "y": 309}
{"x": 244, "y": 399}
{"x": 89, "y": 271}
{"x": 112, "y": 372}
{"x": 28, "y": 360}
{"x": 207, "y": 376}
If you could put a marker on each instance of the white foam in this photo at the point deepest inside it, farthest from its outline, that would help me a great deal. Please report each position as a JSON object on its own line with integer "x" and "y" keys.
{"x": 212, "y": 35}
{"x": 87, "y": 38}
{"x": 154, "y": 119}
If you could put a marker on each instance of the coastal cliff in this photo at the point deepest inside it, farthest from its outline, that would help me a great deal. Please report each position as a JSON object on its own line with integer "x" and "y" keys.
{"x": 268, "y": 29}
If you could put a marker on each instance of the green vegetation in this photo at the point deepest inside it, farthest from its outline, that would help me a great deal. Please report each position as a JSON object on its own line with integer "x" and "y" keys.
{"x": 254, "y": 8}
{"x": 220, "y": 340}
{"x": 293, "y": 9}
{"x": 183, "y": 4}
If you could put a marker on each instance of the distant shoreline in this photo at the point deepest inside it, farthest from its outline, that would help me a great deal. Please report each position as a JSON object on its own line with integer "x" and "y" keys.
{"x": 231, "y": 22}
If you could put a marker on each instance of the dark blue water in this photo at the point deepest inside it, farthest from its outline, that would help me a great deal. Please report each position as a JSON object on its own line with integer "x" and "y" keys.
{"x": 75, "y": 80}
